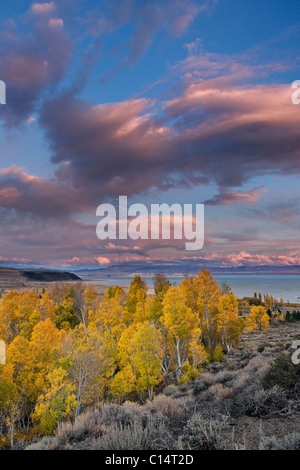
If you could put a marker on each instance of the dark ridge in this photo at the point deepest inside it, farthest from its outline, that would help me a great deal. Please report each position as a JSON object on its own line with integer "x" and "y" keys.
{"x": 37, "y": 275}
{"x": 50, "y": 276}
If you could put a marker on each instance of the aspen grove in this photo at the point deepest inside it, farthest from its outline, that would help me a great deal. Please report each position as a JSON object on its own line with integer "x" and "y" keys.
{"x": 71, "y": 349}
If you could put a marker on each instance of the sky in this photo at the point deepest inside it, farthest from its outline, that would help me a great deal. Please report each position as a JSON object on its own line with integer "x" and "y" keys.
{"x": 174, "y": 101}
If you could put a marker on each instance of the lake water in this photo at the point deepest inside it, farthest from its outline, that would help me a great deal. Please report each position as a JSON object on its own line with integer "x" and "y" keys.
{"x": 285, "y": 286}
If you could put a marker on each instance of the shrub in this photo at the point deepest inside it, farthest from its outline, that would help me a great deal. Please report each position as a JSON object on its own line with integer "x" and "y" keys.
{"x": 224, "y": 377}
{"x": 288, "y": 442}
{"x": 218, "y": 354}
{"x": 203, "y": 382}
{"x": 199, "y": 387}
{"x": 46, "y": 443}
{"x": 92, "y": 424}
{"x": 283, "y": 373}
{"x": 136, "y": 436}
{"x": 170, "y": 390}
{"x": 184, "y": 387}
{"x": 265, "y": 402}
{"x": 205, "y": 434}
{"x": 252, "y": 373}
{"x": 69, "y": 432}
{"x": 169, "y": 407}
{"x": 122, "y": 414}
{"x": 261, "y": 348}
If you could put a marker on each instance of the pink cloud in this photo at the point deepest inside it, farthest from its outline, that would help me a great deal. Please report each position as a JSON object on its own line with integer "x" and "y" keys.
{"x": 102, "y": 260}
{"x": 56, "y": 22}
{"x": 229, "y": 197}
{"x": 9, "y": 197}
{"x": 243, "y": 258}
{"x": 43, "y": 8}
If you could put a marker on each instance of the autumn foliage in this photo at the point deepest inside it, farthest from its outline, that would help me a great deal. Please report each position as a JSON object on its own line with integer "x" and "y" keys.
{"x": 71, "y": 349}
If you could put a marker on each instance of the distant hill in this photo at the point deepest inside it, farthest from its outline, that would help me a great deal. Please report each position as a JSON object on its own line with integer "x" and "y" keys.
{"x": 190, "y": 268}
{"x": 35, "y": 275}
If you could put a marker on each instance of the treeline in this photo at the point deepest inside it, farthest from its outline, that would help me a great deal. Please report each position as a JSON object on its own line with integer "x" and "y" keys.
{"x": 71, "y": 349}
{"x": 265, "y": 300}
{"x": 292, "y": 317}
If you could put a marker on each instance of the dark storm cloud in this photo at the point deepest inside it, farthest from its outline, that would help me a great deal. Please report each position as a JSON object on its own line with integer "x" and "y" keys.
{"x": 33, "y": 60}
{"x": 37, "y": 196}
{"x": 212, "y": 132}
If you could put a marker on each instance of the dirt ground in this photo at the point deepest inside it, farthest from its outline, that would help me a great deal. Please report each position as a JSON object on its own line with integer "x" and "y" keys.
{"x": 249, "y": 431}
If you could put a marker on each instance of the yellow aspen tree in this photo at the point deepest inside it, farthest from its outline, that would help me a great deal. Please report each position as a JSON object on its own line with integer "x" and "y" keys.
{"x": 137, "y": 292}
{"x": 207, "y": 293}
{"x": 124, "y": 345}
{"x": 116, "y": 292}
{"x": 146, "y": 357}
{"x": 57, "y": 403}
{"x": 123, "y": 383}
{"x": 26, "y": 375}
{"x": 77, "y": 294}
{"x": 45, "y": 347}
{"x": 181, "y": 324}
{"x": 45, "y": 338}
{"x": 19, "y": 314}
{"x": 141, "y": 313}
{"x": 10, "y": 403}
{"x": 229, "y": 324}
{"x": 154, "y": 309}
{"x": 87, "y": 361}
{"x": 110, "y": 316}
{"x": 197, "y": 353}
{"x": 46, "y": 307}
{"x": 64, "y": 314}
{"x": 161, "y": 285}
{"x": 257, "y": 318}
{"x": 188, "y": 291}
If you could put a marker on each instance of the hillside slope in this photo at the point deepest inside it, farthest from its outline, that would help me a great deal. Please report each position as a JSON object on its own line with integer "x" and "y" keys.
{"x": 8, "y": 274}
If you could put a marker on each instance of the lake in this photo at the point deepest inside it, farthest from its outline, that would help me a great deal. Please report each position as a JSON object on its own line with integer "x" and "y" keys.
{"x": 286, "y": 286}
